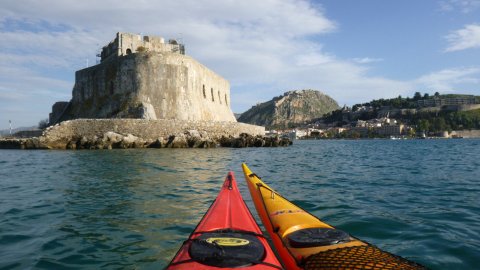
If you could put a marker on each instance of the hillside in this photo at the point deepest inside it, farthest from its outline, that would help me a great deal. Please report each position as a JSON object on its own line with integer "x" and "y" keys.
{"x": 427, "y": 113}
{"x": 293, "y": 107}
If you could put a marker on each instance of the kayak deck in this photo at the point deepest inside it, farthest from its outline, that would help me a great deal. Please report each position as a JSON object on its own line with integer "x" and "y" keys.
{"x": 305, "y": 242}
{"x": 226, "y": 237}
{"x": 358, "y": 257}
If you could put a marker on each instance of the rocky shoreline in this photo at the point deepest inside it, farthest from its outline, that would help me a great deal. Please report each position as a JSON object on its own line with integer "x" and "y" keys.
{"x": 113, "y": 140}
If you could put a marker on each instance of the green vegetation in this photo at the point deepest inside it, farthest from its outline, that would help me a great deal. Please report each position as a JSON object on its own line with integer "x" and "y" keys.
{"x": 444, "y": 120}
{"x": 43, "y": 124}
{"x": 423, "y": 120}
{"x": 397, "y": 102}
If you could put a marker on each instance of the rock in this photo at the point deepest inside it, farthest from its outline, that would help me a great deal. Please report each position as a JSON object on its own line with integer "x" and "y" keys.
{"x": 87, "y": 135}
{"x": 72, "y": 145}
{"x": 34, "y": 143}
{"x": 273, "y": 141}
{"x": 112, "y": 137}
{"x": 129, "y": 139}
{"x": 99, "y": 143}
{"x": 259, "y": 141}
{"x": 226, "y": 141}
{"x": 208, "y": 143}
{"x": 203, "y": 134}
{"x": 158, "y": 143}
{"x": 193, "y": 133}
{"x": 83, "y": 143}
{"x": 10, "y": 144}
{"x": 194, "y": 140}
{"x": 178, "y": 141}
{"x": 122, "y": 145}
{"x": 285, "y": 142}
{"x": 293, "y": 107}
{"x": 139, "y": 143}
{"x": 147, "y": 111}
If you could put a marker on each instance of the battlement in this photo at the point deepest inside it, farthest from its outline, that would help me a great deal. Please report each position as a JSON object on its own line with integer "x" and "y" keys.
{"x": 127, "y": 43}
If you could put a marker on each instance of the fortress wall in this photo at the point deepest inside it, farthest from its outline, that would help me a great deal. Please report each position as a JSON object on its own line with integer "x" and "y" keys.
{"x": 147, "y": 129}
{"x": 133, "y": 42}
{"x": 468, "y": 107}
{"x": 102, "y": 91}
{"x": 57, "y": 111}
{"x": 474, "y": 133}
{"x": 179, "y": 87}
{"x": 151, "y": 85}
{"x": 127, "y": 43}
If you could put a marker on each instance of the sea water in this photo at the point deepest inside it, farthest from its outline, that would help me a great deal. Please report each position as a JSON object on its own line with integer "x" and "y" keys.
{"x": 132, "y": 209}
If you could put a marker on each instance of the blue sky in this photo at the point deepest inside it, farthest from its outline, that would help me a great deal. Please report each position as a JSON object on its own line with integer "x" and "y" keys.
{"x": 352, "y": 50}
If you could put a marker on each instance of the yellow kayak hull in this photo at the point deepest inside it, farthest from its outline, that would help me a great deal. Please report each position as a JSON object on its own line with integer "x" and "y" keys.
{"x": 283, "y": 219}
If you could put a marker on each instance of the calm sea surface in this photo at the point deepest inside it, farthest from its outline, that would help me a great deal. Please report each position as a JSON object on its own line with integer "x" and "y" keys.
{"x": 132, "y": 209}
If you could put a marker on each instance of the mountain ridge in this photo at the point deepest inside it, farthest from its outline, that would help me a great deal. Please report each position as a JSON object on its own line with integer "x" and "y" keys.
{"x": 291, "y": 108}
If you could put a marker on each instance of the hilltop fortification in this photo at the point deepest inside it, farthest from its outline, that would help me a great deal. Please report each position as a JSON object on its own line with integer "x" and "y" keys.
{"x": 145, "y": 77}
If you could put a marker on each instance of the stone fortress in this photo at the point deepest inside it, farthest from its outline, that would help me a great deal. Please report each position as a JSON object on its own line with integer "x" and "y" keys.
{"x": 144, "y": 77}
{"x": 146, "y": 92}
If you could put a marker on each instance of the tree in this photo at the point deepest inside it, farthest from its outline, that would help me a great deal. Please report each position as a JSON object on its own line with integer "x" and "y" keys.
{"x": 43, "y": 124}
{"x": 417, "y": 96}
{"x": 411, "y": 132}
{"x": 426, "y": 96}
{"x": 439, "y": 124}
{"x": 424, "y": 125}
{"x": 437, "y": 94}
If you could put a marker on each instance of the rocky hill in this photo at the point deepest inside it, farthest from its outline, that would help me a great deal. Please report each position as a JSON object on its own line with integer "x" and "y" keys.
{"x": 293, "y": 107}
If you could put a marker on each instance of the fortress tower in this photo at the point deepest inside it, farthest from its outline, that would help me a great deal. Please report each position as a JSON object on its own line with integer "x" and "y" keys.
{"x": 144, "y": 77}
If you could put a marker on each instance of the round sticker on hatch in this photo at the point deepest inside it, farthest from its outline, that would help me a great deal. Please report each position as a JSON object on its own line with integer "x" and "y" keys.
{"x": 227, "y": 241}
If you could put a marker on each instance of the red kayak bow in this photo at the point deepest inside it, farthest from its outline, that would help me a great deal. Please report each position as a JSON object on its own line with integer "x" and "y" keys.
{"x": 227, "y": 237}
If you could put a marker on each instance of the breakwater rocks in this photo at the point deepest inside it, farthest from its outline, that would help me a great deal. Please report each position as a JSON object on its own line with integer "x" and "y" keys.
{"x": 24, "y": 143}
{"x": 112, "y": 140}
{"x": 141, "y": 133}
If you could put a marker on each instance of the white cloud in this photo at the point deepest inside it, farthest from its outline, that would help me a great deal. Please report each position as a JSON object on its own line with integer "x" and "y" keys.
{"x": 464, "y": 6}
{"x": 465, "y": 38}
{"x": 367, "y": 60}
{"x": 313, "y": 59}
{"x": 448, "y": 80}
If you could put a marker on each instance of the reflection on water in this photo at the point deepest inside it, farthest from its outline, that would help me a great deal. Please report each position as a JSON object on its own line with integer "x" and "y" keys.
{"x": 133, "y": 208}
{"x": 139, "y": 202}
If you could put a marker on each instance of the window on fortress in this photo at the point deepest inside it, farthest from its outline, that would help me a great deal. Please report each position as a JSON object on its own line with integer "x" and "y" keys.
{"x": 204, "y": 94}
{"x": 226, "y": 101}
{"x": 219, "y": 98}
{"x": 213, "y": 98}
{"x": 129, "y": 51}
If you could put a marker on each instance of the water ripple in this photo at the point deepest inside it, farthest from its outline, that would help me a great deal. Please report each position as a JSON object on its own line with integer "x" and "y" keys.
{"x": 133, "y": 208}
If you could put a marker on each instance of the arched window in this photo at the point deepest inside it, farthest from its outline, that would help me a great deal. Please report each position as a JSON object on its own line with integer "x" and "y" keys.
{"x": 129, "y": 51}
{"x": 213, "y": 98}
{"x": 219, "y": 98}
{"x": 204, "y": 94}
